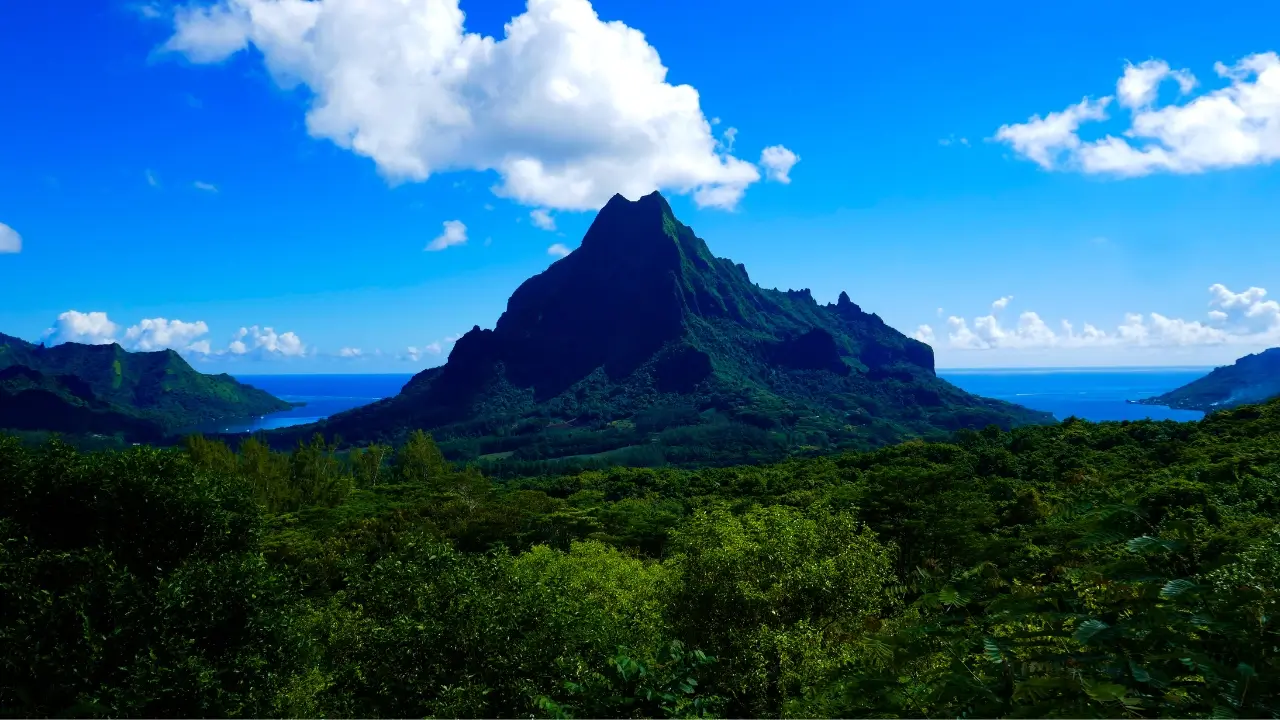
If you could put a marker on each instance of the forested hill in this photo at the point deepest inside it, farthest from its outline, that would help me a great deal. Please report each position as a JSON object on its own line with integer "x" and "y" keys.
{"x": 1074, "y": 570}
{"x": 642, "y": 342}
{"x": 76, "y": 388}
{"x": 1251, "y": 379}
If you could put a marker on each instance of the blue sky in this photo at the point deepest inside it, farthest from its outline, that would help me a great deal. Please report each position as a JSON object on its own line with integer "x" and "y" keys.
{"x": 213, "y": 164}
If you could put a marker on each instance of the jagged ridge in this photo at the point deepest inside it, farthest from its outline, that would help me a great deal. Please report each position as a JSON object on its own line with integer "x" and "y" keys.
{"x": 71, "y": 386}
{"x": 642, "y": 315}
{"x": 1251, "y": 379}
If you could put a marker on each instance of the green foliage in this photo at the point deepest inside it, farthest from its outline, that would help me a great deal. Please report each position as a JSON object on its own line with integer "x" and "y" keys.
{"x": 1251, "y": 379}
{"x": 1077, "y": 570}
{"x": 131, "y": 584}
{"x": 643, "y": 348}
{"x": 106, "y": 390}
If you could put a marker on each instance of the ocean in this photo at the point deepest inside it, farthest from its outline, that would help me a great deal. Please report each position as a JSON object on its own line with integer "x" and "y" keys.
{"x": 1093, "y": 394}
{"x": 324, "y": 395}
{"x": 1089, "y": 394}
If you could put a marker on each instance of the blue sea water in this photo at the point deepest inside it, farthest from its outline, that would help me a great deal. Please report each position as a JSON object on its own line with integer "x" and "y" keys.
{"x": 324, "y": 395}
{"x": 1091, "y": 394}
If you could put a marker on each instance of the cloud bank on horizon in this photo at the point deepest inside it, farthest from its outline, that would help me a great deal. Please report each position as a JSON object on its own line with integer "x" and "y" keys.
{"x": 188, "y": 338}
{"x": 1234, "y": 126}
{"x": 151, "y": 334}
{"x": 566, "y": 108}
{"x": 1234, "y": 318}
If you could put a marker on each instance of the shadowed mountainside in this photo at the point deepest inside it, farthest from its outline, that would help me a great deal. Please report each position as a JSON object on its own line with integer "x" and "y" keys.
{"x": 75, "y": 388}
{"x": 642, "y": 331}
{"x": 1251, "y": 379}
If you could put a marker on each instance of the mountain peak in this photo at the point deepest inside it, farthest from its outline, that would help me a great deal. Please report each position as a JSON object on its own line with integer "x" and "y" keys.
{"x": 625, "y": 225}
{"x": 642, "y": 315}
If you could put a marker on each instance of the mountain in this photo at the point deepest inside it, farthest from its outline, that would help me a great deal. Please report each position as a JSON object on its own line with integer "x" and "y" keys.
{"x": 106, "y": 389}
{"x": 1251, "y": 379}
{"x": 32, "y": 400}
{"x": 642, "y": 338}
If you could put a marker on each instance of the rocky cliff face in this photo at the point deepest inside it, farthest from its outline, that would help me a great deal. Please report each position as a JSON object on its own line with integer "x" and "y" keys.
{"x": 643, "y": 313}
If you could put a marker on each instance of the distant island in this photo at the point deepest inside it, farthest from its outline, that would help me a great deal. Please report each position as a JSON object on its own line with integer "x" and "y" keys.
{"x": 641, "y": 347}
{"x": 105, "y": 389}
{"x": 1251, "y": 379}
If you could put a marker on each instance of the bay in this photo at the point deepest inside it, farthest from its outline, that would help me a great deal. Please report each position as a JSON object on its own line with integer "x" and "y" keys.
{"x": 1098, "y": 395}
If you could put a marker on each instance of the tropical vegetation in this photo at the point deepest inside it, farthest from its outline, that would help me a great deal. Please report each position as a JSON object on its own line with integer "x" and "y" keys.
{"x": 1073, "y": 570}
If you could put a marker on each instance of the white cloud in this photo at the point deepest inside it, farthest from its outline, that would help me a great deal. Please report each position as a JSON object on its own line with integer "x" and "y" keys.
{"x": 953, "y": 140}
{"x": 265, "y": 342}
{"x": 1042, "y": 140}
{"x": 542, "y": 219}
{"x": 207, "y": 187}
{"x": 455, "y": 233}
{"x": 1244, "y": 318}
{"x": 777, "y": 162}
{"x": 566, "y": 108}
{"x": 558, "y": 250}
{"x": 1137, "y": 87}
{"x": 151, "y": 334}
{"x": 730, "y": 135}
{"x": 1234, "y": 126}
{"x": 10, "y": 240}
{"x": 158, "y": 333}
{"x": 91, "y": 328}
{"x": 414, "y": 353}
{"x": 151, "y": 178}
{"x": 150, "y": 10}
{"x": 350, "y": 352}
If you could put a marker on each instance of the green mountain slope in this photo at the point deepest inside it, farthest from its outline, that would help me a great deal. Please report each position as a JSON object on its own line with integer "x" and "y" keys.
{"x": 1251, "y": 379}
{"x": 66, "y": 387}
{"x": 34, "y": 401}
{"x": 642, "y": 342}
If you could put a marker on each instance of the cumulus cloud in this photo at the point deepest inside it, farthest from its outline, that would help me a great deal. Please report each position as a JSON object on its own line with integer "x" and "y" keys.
{"x": 350, "y": 352}
{"x": 542, "y": 219}
{"x": 152, "y": 180}
{"x": 91, "y": 328}
{"x": 1240, "y": 318}
{"x": 158, "y": 334}
{"x": 265, "y": 342}
{"x": 568, "y": 109}
{"x": 1233, "y": 126}
{"x": 558, "y": 250}
{"x": 455, "y": 233}
{"x": 10, "y": 240}
{"x": 415, "y": 353}
{"x": 1137, "y": 87}
{"x": 1044, "y": 139}
{"x": 151, "y": 334}
{"x": 207, "y": 187}
{"x": 777, "y": 162}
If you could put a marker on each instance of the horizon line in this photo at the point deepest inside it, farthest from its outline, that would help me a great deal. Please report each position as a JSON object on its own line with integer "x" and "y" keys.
{"x": 1025, "y": 369}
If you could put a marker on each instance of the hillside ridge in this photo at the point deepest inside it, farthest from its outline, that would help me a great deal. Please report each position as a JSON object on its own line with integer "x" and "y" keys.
{"x": 641, "y": 332}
